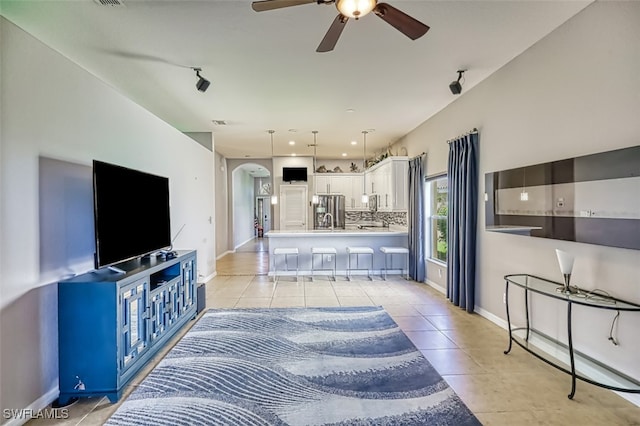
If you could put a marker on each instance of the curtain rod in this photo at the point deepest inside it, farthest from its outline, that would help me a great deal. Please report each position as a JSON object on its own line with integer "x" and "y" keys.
{"x": 419, "y": 155}
{"x": 474, "y": 130}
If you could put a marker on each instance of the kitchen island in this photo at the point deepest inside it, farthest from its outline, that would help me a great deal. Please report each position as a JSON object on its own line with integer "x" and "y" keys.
{"x": 339, "y": 239}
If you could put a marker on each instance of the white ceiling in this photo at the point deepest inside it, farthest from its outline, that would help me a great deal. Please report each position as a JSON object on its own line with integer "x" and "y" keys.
{"x": 265, "y": 73}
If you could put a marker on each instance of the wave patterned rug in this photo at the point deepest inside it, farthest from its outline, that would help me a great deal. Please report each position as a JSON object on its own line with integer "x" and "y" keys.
{"x": 294, "y": 366}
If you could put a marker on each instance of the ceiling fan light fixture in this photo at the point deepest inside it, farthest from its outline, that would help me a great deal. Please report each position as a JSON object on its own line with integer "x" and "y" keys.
{"x": 355, "y": 8}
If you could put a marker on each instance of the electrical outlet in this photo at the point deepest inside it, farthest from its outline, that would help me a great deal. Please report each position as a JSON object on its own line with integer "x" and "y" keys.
{"x": 329, "y": 258}
{"x": 504, "y": 298}
{"x": 439, "y": 272}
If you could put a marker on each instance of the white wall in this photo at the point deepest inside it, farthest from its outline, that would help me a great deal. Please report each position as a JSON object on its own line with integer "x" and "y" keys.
{"x": 243, "y": 209}
{"x": 52, "y": 108}
{"x": 576, "y": 92}
{"x": 222, "y": 205}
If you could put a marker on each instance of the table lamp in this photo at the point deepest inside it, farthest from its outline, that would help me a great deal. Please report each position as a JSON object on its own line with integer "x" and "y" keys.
{"x": 566, "y": 266}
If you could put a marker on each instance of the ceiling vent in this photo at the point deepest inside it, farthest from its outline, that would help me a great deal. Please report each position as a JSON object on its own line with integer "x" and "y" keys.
{"x": 114, "y": 3}
{"x": 219, "y": 122}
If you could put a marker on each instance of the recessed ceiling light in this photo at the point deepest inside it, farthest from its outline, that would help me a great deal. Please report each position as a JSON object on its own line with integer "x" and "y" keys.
{"x": 354, "y": 142}
{"x": 292, "y": 142}
{"x": 219, "y": 122}
{"x": 344, "y": 154}
{"x": 351, "y": 110}
{"x": 293, "y": 130}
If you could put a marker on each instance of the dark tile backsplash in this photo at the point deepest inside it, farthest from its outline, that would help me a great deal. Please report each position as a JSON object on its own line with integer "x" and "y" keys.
{"x": 393, "y": 218}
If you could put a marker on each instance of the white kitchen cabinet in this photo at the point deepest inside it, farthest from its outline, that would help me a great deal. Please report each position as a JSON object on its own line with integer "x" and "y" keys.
{"x": 349, "y": 185}
{"x": 388, "y": 181}
{"x": 327, "y": 184}
{"x": 322, "y": 185}
{"x": 355, "y": 202}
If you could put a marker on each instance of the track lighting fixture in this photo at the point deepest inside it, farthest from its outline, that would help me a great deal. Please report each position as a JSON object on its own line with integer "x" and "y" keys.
{"x": 203, "y": 84}
{"x": 456, "y": 86}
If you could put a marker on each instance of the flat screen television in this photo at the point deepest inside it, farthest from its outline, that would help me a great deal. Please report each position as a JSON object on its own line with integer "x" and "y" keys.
{"x": 292, "y": 174}
{"x": 131, "y": 213}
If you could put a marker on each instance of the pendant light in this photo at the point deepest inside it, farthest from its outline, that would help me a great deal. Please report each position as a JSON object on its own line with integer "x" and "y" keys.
{"x": 365, "y": 197}
{"x": 274, "y": 197}
{"x": 314, "y": 199}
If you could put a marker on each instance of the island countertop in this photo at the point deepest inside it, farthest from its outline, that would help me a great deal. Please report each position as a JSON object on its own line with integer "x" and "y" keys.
{"x": 339, "y": 239}
{"x": 375, "y": 232}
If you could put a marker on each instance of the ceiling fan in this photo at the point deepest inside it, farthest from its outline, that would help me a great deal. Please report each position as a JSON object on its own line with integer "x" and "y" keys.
{"x": 356, "y": 9}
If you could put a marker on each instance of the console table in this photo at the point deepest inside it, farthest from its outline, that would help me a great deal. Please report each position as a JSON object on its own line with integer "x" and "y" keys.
{"x": 110, "y": 324}
{"x": 607, "y": 377}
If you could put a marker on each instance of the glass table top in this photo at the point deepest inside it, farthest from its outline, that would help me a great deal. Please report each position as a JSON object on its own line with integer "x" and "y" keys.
{"x": 594, "y": 298}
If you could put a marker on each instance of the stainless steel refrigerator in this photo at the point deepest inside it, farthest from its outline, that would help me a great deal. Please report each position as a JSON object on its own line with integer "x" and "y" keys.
{"x": 332, "y": 204}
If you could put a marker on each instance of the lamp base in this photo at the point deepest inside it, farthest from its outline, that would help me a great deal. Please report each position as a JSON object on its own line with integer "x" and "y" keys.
{"x": 572, "y": 289}
{"x": 566, "y": 288}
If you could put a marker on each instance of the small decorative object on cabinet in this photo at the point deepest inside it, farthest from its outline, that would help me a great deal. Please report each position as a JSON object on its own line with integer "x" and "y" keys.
{"x": 111, "y": 323}
{"x": 574, "y": 363}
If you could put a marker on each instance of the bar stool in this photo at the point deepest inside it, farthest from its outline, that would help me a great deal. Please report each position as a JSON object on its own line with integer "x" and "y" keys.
{"x": 286, "y": 252}
{"x": 358, "y": 251}
{"x": 388, "y": 255}
{"x": 323, "y": 252}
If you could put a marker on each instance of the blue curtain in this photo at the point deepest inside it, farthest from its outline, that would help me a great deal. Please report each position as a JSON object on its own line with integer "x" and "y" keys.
{"x": 416, "y": 219}
{"x": 462, "y": 219}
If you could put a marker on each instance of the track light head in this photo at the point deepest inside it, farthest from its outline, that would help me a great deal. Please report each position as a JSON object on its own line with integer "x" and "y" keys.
{"x": 203, "y": 84}
{"x": 455, "y": 86}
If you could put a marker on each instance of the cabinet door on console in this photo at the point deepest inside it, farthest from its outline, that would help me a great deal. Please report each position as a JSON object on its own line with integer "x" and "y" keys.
{"x": 133, "y": 302}
{"x": 158, "y": 323}
{"x": 188, "y": 296}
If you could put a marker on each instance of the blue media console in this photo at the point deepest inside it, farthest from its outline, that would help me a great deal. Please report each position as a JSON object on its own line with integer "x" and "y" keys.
{"x": 110, "y": 324}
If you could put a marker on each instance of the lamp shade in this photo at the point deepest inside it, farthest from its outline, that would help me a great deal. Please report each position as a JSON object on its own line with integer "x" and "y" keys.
{"x": 355, "y": 8}
{"x": 566, "y": 261}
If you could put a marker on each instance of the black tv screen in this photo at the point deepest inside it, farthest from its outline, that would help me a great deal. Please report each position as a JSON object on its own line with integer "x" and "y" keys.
{"x": 291, "y": 174}
{"x": 131, "y": 213}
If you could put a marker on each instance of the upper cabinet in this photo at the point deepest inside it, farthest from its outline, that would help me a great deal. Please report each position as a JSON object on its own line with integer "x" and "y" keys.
{"x": 349, "y": 185}
{"x": 388, "y": 181}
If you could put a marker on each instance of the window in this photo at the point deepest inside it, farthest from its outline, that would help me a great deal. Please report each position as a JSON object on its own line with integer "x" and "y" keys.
{"x": 437, "y": 191}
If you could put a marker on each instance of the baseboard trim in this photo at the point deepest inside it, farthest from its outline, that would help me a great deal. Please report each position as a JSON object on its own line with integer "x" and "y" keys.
{"x": 436, "y": 286}
{"x": 491, "y": 317}
{"x": 210, "y": 277}
{"x": 33, "y": 408}
{"x": 225, "y": 253}
{"x": 243, "y": 243}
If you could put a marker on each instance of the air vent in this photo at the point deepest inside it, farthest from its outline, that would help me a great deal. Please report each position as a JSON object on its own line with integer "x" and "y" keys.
{"x": 219, "y": 122}
{"x": 114, "y": 3}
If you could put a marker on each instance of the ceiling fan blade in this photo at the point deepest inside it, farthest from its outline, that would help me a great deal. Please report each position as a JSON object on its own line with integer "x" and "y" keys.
{"x": 404, "y": 23}
{"x": 261, "y": 6}
{"x": 333, "y": 34}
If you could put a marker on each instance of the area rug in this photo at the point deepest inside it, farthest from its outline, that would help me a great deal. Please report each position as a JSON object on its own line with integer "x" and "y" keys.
{"x": 294, "y": 366}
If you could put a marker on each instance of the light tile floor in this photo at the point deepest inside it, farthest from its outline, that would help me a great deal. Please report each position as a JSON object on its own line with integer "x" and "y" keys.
{"x": 467, "y": 350}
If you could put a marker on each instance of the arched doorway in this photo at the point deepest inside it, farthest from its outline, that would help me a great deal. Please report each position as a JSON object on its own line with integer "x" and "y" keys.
{"x": 249, "y": 219}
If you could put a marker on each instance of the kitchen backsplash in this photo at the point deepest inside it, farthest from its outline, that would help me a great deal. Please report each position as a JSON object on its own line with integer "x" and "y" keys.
{"x": 393, "y": 218}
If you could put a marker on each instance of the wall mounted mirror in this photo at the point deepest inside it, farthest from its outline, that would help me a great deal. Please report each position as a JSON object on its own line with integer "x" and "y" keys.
{"x": 591, "y": 199}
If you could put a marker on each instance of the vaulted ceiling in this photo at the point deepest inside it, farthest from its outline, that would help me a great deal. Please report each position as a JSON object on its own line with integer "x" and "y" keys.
{"x": 265, "y": 72}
